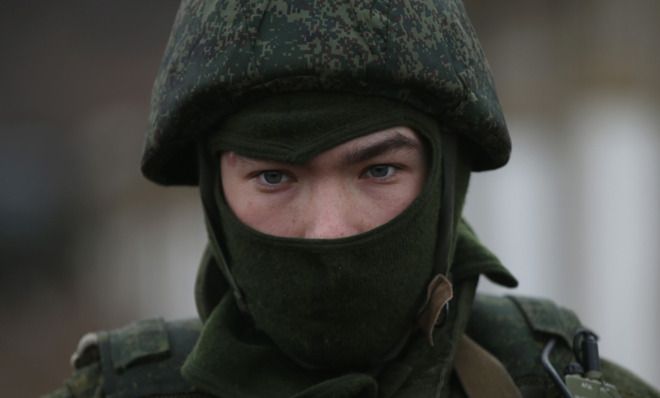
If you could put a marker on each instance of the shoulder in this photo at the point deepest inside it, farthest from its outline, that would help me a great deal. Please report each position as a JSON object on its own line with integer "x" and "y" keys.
{"x": 628, "y": 384}
{"x": 516, "y": 329}
{"x": 143, "y": 358}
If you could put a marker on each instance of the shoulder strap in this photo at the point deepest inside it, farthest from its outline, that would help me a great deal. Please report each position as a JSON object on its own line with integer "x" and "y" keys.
{"x": 141, "y": 359}
{"x": 515, "y": 330}
{"x": 481, "y": 374}
{"x": 545, "y": 317}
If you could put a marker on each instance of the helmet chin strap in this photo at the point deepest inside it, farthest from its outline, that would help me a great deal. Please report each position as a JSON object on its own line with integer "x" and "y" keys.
{"x": 208, "y": 168}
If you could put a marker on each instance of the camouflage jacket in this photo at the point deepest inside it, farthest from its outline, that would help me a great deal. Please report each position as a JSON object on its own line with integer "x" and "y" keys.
{"x": 144, "y": 359}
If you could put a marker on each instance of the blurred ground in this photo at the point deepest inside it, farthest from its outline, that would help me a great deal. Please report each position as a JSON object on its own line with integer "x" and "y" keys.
{"x": 86, "y": 243}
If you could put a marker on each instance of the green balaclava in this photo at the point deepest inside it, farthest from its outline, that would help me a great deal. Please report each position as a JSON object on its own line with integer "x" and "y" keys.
{"x": 334, "y": 305}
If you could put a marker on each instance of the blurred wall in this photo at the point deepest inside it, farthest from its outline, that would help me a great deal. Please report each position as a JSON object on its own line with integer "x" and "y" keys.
{"x": 86, "y": 243}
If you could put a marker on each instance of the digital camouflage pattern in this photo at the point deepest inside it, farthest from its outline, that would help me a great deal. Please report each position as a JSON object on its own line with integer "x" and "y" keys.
{"x": 515, "y": 329}
{"x": 141, "y": 359}
{"x": 223, "y": 53}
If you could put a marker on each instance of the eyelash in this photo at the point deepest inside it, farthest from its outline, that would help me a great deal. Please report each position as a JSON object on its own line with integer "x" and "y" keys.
{"x": 394, "y": 170}
{"x": 259, "y": 177}
{"x": 287, "y": 177}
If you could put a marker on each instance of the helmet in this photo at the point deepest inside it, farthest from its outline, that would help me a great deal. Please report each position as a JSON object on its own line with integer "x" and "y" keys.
{"x": 222, "y": 55}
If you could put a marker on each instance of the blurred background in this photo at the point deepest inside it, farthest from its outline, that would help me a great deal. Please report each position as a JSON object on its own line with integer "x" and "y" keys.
{"x": 86, "y": 243}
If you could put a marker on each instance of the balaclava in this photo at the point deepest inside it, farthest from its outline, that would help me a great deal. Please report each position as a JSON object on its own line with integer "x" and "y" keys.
{"x": 337, "y": 305}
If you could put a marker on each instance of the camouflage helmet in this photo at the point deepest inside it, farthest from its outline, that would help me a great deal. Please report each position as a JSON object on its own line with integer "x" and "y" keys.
{"x": 222, "y": 54}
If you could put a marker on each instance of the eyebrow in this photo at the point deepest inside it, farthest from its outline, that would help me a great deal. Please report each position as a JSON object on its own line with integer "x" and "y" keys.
{"x": 368, "y": 152}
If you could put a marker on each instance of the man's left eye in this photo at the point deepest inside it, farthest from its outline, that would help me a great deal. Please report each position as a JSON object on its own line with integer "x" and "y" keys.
{"x": 380, "y": 171}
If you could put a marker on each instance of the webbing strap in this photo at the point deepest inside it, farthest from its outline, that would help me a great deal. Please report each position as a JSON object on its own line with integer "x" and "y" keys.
{"x": 481, "y": 374}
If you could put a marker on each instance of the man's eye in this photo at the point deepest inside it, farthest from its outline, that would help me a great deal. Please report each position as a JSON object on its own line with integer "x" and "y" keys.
{"x": 380, "y": 171}
{"x": 272, "y": 177}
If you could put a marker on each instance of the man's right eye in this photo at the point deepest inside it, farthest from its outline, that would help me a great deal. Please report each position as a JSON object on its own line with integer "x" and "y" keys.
{"x": 273, "y": 177}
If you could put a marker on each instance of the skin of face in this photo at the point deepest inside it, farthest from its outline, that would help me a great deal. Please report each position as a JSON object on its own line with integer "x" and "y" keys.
{"x": 347, "y": 190}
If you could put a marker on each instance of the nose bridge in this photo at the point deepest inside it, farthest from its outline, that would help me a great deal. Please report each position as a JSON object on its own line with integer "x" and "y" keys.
{"x": 330, "y": 211}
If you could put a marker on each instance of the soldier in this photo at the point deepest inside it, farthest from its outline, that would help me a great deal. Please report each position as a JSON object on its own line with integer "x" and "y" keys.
{"x": 333, "y": 143}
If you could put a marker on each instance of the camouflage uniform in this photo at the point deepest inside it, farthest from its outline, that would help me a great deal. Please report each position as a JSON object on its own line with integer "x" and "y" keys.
{"x": 128, "y": 363}
{"x": 223, "y": 55}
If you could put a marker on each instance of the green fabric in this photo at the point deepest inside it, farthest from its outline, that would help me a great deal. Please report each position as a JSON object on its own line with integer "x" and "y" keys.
{"x": 516, "y": 329}
{"x": 500, "y": 326}
{"x": 340, "y": 306}
{"x": 487, "y": 315}
{"x": 139, "y": 341}
{"x": 232, "y": 359}
{"x": 471, "y": 258}
{"x": 295, "y": 127}
{"x": 332, "y": 303}
{"x": 141, "y": 359}
{"x": 223, "y": 55}
{"x": 628, "y": 384}
{"x": 144, "y": 358}
{"x": 342, "y": 303}
{"x": 544, "y": 316}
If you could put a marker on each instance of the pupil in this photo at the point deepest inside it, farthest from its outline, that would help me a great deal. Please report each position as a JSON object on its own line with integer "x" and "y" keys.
{"x": 273, "y": 177}
{"x": 379, "y": 171}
